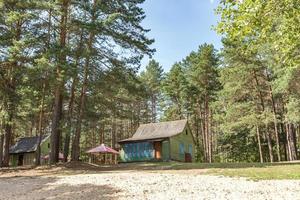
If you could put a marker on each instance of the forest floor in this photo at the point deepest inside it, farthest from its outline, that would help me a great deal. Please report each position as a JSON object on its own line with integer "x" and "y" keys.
{"x": 152, "y": 181}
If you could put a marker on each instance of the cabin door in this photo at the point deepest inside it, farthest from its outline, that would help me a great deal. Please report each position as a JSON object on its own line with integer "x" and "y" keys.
{"x": 158, "y": 150}
{"x": 20, "y": 160}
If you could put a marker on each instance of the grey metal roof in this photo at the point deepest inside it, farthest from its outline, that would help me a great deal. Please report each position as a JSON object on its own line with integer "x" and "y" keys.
{"x": 26, "y": 144}
{"x": 158, "y": 130}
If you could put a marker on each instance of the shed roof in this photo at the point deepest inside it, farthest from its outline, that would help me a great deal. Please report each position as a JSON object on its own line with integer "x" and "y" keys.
{"x": 157, "y": 130}
{"x": 27, "y": 144}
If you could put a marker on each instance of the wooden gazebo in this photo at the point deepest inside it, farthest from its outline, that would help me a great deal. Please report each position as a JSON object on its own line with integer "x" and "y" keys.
{"x": 104, "y": 150}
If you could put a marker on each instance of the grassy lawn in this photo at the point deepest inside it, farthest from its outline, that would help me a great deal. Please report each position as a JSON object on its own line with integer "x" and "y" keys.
{"x": 254, "y": 171}
{"x": 286, "y": 171}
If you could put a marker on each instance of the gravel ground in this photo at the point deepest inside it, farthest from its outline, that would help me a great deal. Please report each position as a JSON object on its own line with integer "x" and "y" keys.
{"x": 180, "y": 184}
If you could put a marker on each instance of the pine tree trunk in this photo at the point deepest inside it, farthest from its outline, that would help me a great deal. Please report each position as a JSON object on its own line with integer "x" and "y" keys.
{"x": 288, "y": 146}
{"x": 41, "y": 118}
{"x": 153, "y": 108}
{"x": 283, "y": 130}
{"x": 67, "y": 144}
{"x": 75, "y": 154}
{"x": 55, "y": 129}
{"x": 76, "y": 142}
{"x": 41, "y": 115}
{"x": 292, "y": 151}
{"x": 102, "y": 129}
{"x": 71, "y": 101}
{"x": 260, "y": 95}
{"x": 197, "y": 135}
{"x": 9, "y": 105}
{"x": 269, "y": 144}
{"x": 113, "y": 135}
{"x": 1, "y": 149}
{"x": 204, "y": 142}
{"x": 69, "y": 120}
{"x": 297, "y": 138}
{"x": 294, "y": 138}
{"x": 59, "y": 90}
{"x": 32, "y": 124}
{"x": 113, "y": 132}
{"x": 276, "y": 135}
{"x": 286, "y": 150}
{"x": 274, "y": 119}
{"x": 203, "y": 131}
{"x": 259, "y": 145}
{"x": 209, "y": 136}
{"x": 7, "y": 135}
{"x": 7, "y": 140}
{"x": 179, "y": 108}
{"x": 207, "y": 133}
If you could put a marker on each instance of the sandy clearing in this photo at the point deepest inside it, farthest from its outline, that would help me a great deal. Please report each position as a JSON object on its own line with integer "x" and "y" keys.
{"x": 144, "y": 185}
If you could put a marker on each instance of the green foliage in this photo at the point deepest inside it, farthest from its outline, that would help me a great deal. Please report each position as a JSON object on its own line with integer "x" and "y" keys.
{"x": 152, "y": 77}
{"x": 174, "y": 88}
{"x": 45, "y": 45}
{"x": 293, "y": 110}
{"x": 260, "y": 88}
{"x": 202, "y": 70}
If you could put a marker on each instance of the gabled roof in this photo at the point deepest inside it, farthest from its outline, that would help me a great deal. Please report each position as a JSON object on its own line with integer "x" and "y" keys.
{"x": 27, "y": 144}
{"x": 158, "y": 130}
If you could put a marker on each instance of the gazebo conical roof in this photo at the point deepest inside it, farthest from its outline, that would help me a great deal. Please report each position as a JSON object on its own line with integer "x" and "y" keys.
{"x": 103, "y": 149}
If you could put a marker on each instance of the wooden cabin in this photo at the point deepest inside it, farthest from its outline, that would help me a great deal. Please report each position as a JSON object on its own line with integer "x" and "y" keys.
{"x": 162, "y": 141}
{"x": 23, "y": 153}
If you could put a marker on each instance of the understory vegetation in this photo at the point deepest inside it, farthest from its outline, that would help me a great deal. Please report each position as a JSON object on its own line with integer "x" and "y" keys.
{"x": 71, "y": 69}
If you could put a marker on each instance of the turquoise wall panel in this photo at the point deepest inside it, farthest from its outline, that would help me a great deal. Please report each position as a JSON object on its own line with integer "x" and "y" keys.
{"x": 141, "y": 151}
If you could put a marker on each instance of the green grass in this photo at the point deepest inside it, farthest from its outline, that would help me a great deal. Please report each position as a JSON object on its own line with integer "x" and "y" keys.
{"x": 278, "y": 172}
{"x": 254, "y": 171}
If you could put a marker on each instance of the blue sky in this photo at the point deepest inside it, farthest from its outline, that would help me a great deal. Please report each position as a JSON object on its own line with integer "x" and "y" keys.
{"x": 179, "y": 27}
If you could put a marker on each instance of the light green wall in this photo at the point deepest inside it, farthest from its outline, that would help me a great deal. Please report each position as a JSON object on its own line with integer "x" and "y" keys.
{"x": 186, "y": 140}
{"x": 45, "y": 147}
{"x": 166, "y": 150}
{"x": 13, "y": 160}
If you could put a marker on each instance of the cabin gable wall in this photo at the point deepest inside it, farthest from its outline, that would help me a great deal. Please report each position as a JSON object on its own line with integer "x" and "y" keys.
{"x": 45, "y": 147}
{"x": 181, "y": 144}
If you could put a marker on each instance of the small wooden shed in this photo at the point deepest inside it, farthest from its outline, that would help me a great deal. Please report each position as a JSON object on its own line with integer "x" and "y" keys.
{"x": 24, "y": 151}
{"x": 162, "y": 141}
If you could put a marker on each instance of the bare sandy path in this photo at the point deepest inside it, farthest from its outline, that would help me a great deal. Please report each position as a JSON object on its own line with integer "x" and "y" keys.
{"x": 164, "y": 185}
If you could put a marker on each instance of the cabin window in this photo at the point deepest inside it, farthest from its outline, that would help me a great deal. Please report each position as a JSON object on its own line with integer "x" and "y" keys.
{"x": 181, "y": 148}
{"x": 186, "y": 132}
{"x": 48, "y": 145}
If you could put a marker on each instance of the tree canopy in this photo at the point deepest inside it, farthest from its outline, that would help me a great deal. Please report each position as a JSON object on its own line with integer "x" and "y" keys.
{"x": 71, "y": 69}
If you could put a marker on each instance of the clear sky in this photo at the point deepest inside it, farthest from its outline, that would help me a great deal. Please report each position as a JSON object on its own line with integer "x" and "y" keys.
{"x": 179, "y": 27}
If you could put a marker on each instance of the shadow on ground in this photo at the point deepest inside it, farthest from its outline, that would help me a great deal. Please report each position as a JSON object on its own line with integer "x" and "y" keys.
{"x": 41, "y": 187}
